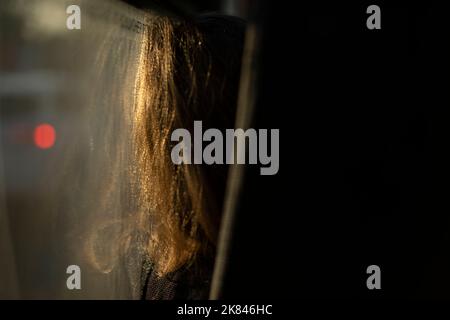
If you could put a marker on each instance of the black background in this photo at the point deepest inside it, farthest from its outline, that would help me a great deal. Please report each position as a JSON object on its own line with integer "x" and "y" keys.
{"x": 363, "y": 156}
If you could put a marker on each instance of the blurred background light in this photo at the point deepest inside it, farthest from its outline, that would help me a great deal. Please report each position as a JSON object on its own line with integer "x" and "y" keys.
{"x": 44, "y": 136}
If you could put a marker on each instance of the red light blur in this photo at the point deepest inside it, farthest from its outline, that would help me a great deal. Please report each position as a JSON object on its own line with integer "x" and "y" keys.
{"x": 44, "y": 136}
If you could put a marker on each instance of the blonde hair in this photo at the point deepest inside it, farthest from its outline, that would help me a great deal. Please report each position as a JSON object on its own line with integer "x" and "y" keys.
{"x": 187, "y": 71}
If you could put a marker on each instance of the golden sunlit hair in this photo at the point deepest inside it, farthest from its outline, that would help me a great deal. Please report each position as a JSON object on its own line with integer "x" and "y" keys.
{"x": 188, "y": 70}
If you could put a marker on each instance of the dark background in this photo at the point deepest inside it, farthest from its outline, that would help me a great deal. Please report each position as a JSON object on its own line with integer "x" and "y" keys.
{"x": 363, "y": 160}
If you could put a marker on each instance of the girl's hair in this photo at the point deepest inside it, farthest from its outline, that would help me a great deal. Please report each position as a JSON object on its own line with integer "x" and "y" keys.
{"x": 188, "y": 70}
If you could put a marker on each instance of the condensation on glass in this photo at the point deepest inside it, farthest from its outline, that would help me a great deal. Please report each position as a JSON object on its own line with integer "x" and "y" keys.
{"x": 64, "y": 204}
